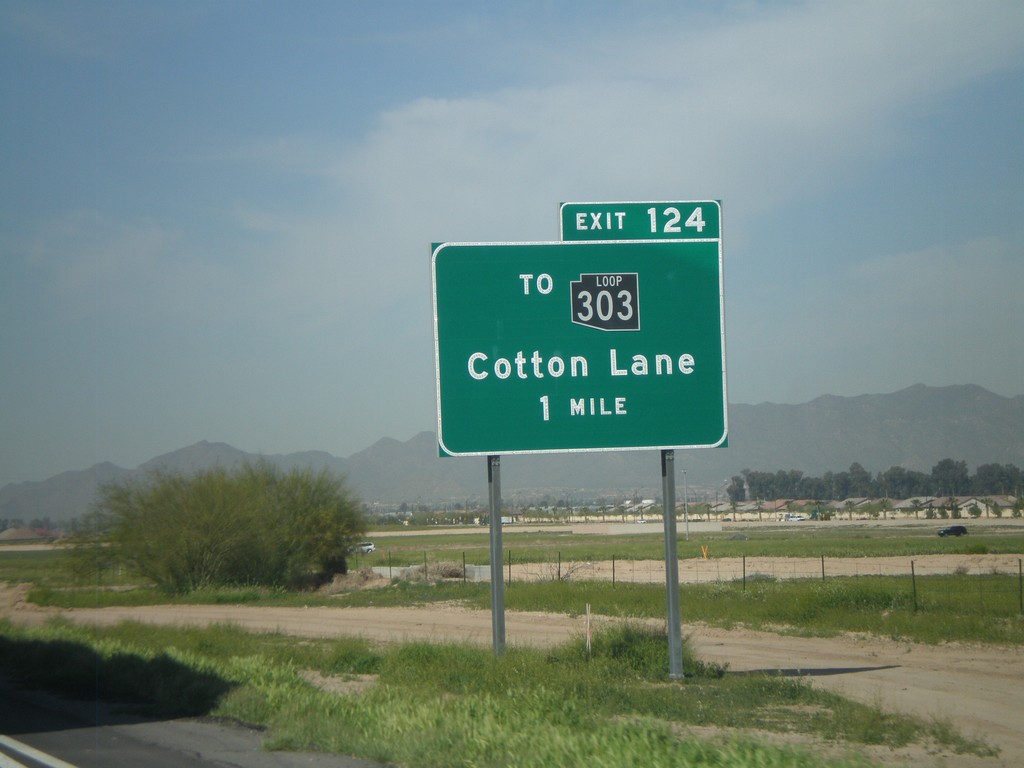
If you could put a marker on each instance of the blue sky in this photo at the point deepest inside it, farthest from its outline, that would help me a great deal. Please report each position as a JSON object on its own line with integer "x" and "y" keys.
{"x": 215, "y": 218}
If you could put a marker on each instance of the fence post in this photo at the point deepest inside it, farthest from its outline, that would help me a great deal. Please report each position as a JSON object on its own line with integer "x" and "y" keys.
{"x": 613, "y": 570}
{"x": 463, "y": 567}
{"x": 390, "y": 575}
{"x": 822, "y": 567}
{"x": 913, "y": 584}
{"x": 744, "y": 573}
{"x": 509, "y": 566}
{"x": 559, "y": 566}
{"x": 1020, "y": 585}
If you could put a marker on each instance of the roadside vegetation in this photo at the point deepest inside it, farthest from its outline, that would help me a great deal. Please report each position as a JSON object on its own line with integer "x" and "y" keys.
{"x": 983, "y": 608}
{"x": 425, "y": 705}
{"x": 878, "y": 605}
{"x": 543, "y": 547}
{"x": 255, "y": 525}
{"x": 420, "y": 704}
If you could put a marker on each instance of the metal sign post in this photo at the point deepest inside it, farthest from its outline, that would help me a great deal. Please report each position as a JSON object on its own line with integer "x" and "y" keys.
{"x": 675, "y": 630}
{"x": 497, "y": 581}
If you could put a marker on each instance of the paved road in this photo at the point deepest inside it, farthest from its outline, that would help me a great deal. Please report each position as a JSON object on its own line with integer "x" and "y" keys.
{"x": 87, "y": 735}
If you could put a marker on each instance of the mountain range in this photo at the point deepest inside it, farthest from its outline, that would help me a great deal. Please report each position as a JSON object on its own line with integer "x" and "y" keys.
{"x": 914, "y": 428}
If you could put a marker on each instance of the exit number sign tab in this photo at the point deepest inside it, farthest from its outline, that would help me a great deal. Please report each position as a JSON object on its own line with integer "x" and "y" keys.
{"x": 694, "y": 220}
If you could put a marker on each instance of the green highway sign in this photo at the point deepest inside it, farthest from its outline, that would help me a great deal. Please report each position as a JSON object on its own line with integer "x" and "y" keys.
{"x": 581, "y": 346}
{"x": 695, "y": 220}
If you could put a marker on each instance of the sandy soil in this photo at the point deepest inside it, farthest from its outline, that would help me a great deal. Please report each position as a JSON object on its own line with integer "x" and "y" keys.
{"x": 980, "y": 689}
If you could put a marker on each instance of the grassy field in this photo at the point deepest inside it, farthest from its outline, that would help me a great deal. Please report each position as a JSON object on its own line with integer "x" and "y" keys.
{"x": 429, "y": 703}
{"x": 611, "y": 707}
{"x": 977, "y": 608}
{"x": 544, "y": 547}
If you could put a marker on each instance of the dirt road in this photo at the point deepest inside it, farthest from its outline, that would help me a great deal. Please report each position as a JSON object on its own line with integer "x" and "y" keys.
{"x": 980, "y": 689}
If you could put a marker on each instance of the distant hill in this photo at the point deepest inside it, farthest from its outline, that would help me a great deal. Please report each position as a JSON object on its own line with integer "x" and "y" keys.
{"x": 61, "y": 497}
{"x": 915, "y": 428}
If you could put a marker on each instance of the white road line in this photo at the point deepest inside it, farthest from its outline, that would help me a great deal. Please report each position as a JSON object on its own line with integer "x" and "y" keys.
{"x": 32, "y": 754}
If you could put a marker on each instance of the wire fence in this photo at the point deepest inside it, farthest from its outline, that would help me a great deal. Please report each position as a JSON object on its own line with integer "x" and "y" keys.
{"x": 982, "y": 582}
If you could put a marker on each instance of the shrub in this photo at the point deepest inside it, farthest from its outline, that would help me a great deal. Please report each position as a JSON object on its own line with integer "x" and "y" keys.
{"x": 252, "y": 526}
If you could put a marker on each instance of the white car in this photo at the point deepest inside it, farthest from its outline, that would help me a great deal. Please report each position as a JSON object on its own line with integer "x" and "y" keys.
{"x": 365, "y": 548}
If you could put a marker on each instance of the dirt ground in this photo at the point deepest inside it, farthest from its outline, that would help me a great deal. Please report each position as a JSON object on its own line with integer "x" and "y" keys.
{"x": 979, "y": 689}
{"x": 700, "y": 569}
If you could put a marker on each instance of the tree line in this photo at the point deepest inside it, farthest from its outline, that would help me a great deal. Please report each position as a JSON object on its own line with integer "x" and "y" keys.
{"x": 947, "y": 478}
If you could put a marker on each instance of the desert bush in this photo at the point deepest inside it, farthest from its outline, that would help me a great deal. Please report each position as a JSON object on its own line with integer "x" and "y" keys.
{"x": 251, "y": 526}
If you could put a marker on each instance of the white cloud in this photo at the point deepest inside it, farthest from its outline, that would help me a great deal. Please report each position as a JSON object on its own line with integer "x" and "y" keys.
{"x": 762, "y": 111}
{"x": 317, "y": 244}
{"x": 765, "y": 109}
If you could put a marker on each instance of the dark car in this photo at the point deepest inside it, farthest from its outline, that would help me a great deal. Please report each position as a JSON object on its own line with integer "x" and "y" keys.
{"x": 953, "y": 530}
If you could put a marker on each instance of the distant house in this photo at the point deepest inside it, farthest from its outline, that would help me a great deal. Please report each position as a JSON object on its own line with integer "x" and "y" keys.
{"x": 986, "y": 506}
{"x": 25, "y": 536}
{"x": 854, "y": 502}
{"x": 914, "y": 502}
{"x": 721, "y": 508}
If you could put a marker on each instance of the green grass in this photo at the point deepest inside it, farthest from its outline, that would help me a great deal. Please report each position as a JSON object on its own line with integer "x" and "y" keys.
{"x": 982, "y": 609}
{"x": 45, "y": 566}
{"x": 545, "y": 547}
{"x": 948, "y": 608}
{"x": 976, "y": 608}
{"x": 86, "y": 597}
{"x": 442, "y": 705}
{"x": 37, "y": 566}
{"x": 528, "y": 707}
